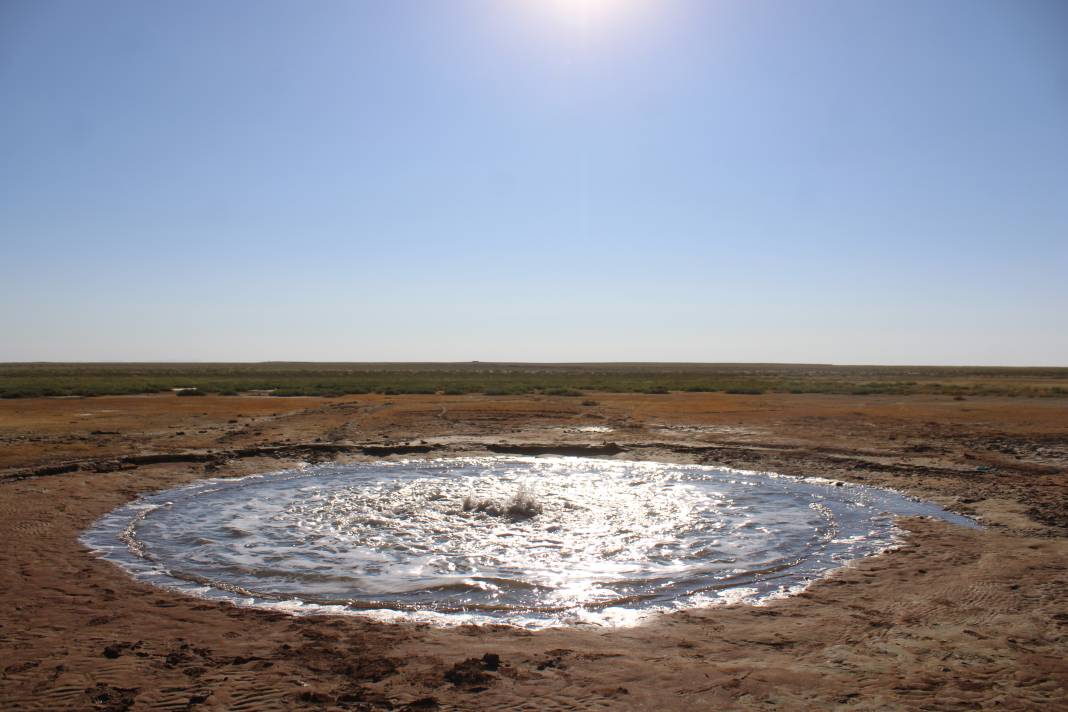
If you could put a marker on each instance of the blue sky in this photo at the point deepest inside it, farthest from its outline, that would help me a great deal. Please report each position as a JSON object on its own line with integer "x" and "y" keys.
{"x": 537, "y": 180}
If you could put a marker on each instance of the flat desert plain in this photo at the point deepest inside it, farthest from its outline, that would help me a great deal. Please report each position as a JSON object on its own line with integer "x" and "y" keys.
{"x": 953, "y": 619}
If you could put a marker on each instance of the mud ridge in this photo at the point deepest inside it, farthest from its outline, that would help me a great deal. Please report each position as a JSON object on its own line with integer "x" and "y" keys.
{"x": 217, "y": 457}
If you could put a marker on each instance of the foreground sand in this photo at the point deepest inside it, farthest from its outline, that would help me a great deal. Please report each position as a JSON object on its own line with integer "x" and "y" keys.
{"x": 955, "y": 619}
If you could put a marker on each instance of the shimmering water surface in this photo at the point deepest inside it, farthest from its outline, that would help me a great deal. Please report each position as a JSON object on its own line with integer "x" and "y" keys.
{"x": 530, "y": 541}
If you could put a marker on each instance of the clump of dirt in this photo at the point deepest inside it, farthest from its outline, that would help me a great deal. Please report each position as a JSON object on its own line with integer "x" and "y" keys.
{"x": 111, "y": 698}
{"x": 473, "y": 674}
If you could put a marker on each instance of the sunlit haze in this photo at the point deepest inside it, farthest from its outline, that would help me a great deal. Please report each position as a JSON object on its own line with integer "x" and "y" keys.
{"x": 539, "y": 180}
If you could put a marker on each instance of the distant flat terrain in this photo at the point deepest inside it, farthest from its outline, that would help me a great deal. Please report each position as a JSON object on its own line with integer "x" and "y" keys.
{"x": 24, "y": 380}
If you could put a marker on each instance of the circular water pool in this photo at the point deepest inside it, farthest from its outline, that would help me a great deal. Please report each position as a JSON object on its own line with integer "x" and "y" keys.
{"x": 528, "y": 541}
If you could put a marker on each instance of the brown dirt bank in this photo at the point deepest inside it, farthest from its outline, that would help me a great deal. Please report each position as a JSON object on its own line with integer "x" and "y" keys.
{"x": 956, "y": 619}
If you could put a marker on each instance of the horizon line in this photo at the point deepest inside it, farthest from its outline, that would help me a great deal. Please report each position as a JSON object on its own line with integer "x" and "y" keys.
{"x": 525, "y": 363}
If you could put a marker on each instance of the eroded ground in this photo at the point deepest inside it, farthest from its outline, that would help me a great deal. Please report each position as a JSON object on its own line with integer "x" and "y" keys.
{"x": 955, "y": 619}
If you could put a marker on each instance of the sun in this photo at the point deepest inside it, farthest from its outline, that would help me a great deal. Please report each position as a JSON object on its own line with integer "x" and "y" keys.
{"x": 585, "y": 13}
{"x": 588, "y": 8}
{"x": 586, "y": 21}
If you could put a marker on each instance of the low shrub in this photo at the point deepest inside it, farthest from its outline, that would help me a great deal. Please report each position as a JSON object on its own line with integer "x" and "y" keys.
{"x": 562, "y": 392}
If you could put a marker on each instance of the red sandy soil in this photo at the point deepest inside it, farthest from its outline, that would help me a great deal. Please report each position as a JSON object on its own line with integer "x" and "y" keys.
{"x": 954, "y": 619}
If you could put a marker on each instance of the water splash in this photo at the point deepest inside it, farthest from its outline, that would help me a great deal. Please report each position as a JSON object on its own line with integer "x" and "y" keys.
{"x": 521, "y": 506}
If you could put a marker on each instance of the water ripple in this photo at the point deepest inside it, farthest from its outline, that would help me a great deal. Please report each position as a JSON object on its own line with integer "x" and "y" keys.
{"x": 529, "y": 541}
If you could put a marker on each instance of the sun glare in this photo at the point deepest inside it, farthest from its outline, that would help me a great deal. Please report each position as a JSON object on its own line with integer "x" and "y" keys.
{"x": 587, "y": 13}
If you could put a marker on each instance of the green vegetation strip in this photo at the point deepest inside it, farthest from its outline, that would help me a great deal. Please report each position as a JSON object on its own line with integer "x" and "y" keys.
{"x": 323, "y": 379}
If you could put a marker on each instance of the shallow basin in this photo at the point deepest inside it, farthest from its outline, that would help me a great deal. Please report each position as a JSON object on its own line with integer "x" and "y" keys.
{"x": 526, "y": 541}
